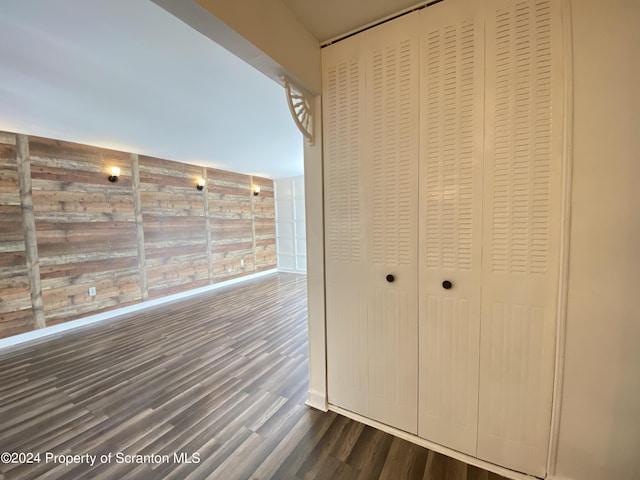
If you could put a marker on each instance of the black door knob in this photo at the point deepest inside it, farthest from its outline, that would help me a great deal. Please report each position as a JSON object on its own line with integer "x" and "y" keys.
{"x": 390, "y": 278}
{"x": 447, "y": 284}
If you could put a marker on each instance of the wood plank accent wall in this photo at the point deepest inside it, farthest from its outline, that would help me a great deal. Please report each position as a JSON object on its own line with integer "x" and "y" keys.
{"x": 137, "y": 207}
{"x": 90, "y": 232}
{"x": 29, "y": 228}
{"x": 207, "y": 224}
{"x": 86, "y": 229}
{"x": 16, "y": 315}
{"x": 174, "y": 226}
{"x": 231, "y": 233}
{"x": 264, "y": 217}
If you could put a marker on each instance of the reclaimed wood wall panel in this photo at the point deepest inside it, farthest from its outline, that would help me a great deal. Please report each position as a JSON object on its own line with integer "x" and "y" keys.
{"x": 264, "y": 215}
{"x": 230, "y": 220}
{"x": 149, "y": 235}
{"x": 29, "y": 227}
{"x": 16, "y": 315}
{"x": 85, "y": 229}
{"x": 174, "y": 226}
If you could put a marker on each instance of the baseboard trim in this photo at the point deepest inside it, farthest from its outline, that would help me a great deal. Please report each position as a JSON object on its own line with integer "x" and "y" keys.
{"x": 476, "y": 462}
{"x": 287, "y": 270}
{"x": 19, "y": 341}
{"x": 317, "y": 400}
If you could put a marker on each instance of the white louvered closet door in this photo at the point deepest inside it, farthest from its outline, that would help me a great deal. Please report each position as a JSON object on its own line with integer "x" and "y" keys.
{"x": 392, "y": 157}
{"x": 371, "y": 175}
{"x": 521, "y": 244}
{"x": 451, "y": 100}
{"x": 347, "y": 294}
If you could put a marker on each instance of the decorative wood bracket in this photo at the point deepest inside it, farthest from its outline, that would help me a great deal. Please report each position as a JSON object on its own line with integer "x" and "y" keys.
{"x": 301, "y": 107}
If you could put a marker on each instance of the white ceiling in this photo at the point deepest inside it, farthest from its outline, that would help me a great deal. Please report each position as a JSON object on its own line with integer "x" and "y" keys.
{"x": 126, "y": 74}
{"x": 328, "y": 19}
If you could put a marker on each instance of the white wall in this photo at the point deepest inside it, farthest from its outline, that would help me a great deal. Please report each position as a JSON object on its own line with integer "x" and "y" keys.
{"x": 600, "y": 415}
{"x": 314, "y": 215}
{"x": 264, "y": 33}
{"x": 291, "y": 235}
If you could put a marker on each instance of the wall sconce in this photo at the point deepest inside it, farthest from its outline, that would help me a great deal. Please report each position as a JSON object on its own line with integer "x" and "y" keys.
{"x": 114, "y": 174}
{"x": 201, "y": 183}
{"x": 256, "y": 190}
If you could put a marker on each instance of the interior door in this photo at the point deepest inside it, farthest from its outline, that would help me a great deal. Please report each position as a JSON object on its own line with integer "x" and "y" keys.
{"x": 371, "y": 125}
{"x": 347, "y": 289}
{"x": 451, "y": 162}
{"x": 392, "y": 174}
{"x": 521, "y": 234}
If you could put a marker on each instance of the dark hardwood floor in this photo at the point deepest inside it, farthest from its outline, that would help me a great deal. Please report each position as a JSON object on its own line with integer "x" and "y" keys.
{"x": 219, "y": 378}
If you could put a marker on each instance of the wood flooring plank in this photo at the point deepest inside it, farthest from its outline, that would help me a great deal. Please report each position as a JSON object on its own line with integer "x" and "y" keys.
{"x": 404, "y": 460}
{"x": 240, "y": 462}
{"x": 456, "y": 470}
{"x": 475, "y": 473}
{"x": 370, "y": 452}
{"x": 343, "y": 445}
{"x": 305, "y": 449}
{"x": 264, "y": 446}
{"x": 436, "y": 468}
{"x": 223, "y": 375}
{"x": 279, "y": 460}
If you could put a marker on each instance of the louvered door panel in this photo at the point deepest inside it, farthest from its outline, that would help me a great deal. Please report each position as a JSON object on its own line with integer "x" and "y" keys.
{"x": 392, "y": 153}
{"x": 343, "y": 123}
{"x": 394, "y": 115}
{"x": 451, "y": 99}
{"x": 371, "y": 169}
{"x": 458, "y": 105}
{"x": 347, "y": 297}
{"x": 348, "y": 308}
{"x": 523, "y": 171}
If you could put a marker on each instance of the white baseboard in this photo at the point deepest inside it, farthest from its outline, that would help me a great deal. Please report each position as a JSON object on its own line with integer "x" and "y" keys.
{"x": 291, "y": 270}
{"x": 28, "y": 337}
{"x": 317, "y": 400}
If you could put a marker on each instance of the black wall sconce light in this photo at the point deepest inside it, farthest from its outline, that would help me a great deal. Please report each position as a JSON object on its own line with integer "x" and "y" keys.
{"x": 114, "y": 174}
{"x": 201, "y": 184}
{"x": 256, "y": 190}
